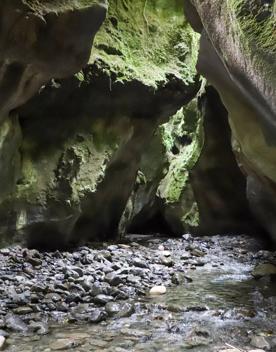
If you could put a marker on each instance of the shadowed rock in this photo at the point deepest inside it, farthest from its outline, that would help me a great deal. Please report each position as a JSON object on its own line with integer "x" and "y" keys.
{"x": 237, "y": 55}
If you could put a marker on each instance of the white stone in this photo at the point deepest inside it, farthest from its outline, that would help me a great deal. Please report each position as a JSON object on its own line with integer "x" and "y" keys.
{"x": 2, "y": 342}
{"x": 158, "y": 290}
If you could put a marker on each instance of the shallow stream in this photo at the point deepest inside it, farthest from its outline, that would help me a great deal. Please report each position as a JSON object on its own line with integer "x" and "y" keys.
{"x": 222, "y": 308}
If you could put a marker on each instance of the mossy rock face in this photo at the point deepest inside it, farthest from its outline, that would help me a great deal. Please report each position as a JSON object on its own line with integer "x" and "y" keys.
{"x": 183, "y": 140}
{"x": 84, "y": 138}
{"x": 239, "y": 39}
{"x": 77, "y": 187}
{"x": 39, "y": 40}
{"x": 110, "y": 148}
{"x": 180, "y": 205}
{"x": 148, "y": 41}
{"x": 243, "y": 50}
{"x": 189, "y": 180}
{"x": 163, "y": 199}
{"x": 10, "y": 141}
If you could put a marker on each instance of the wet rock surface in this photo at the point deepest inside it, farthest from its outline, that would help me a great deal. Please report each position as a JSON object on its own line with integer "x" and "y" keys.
{"x": 99, "y": 299}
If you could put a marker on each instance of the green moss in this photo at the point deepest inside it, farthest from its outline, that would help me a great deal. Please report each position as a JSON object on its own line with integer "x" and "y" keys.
{"x": 178, "y": 178}
{"x": 79, "y": 76}
{"x": 184, "y": 133}
{"x": 191, "y": 217}
{"x": 70, "y": 171}
{"x": 146, "y": 40}
{"x": 258, "y": 32}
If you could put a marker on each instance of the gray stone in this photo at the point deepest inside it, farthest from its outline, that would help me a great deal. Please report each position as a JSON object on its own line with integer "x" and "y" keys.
{"x": 23, "y": 310}
{"x": 167, "y": 261}
{"x": 113, "y": 279}
{"x": 140, "y": 263}
{"x": 112, "y": 308}
{"x": 126, "y": 310}
{"x": 103, "y": 299}
{"x": 65, "y": 344}
{"x": 97, "y": 316}
{"x": 260, "y": 342}
{"x": 15, "y": 324}
{"x": 157, "y": 290}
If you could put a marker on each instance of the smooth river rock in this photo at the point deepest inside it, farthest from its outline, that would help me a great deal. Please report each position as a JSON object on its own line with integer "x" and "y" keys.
{"x": 157, "y": 290}
{"x": 2, "y": 342}
{"x": 266, "y": 269}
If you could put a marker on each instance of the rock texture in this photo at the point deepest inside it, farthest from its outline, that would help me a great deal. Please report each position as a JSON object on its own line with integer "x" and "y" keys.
{"x": 163, "y": 199}
{"x": 39, "y": 40}
{"x": 94, "y": 144}
{"x": 237, "y": 55}
{"x": 189, "y": 179}
{"x": 82, "y": 139}
{"x": 218, "y": 183}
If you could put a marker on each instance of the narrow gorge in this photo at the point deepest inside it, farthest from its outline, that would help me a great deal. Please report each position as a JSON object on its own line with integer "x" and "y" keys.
{"x": 137, "y": 167}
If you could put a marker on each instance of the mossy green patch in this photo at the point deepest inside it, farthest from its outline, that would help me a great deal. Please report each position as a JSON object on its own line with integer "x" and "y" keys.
{"x": 76, "y": 167}
{"x": 146, "y": 40}
{"x": 183, "y": 140}
{"x": 257, "y": 25}
{"x": 191, "y": 217}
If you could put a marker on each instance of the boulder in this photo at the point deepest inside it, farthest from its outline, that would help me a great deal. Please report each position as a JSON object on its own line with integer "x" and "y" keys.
{"x": 266, "y": 269}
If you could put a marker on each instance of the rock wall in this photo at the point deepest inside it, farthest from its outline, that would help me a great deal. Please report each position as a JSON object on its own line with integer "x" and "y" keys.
{"x": 41, "y": 40}
{"x": 121, "y": 138}
{"x": 80, "y": 141}
{"x": 163, "y": 199}
{"x": 217, "y": 181}
{"x": 38, "y": 40}
{"x": 189, "y": 179}
{"x": 237, "y": 55}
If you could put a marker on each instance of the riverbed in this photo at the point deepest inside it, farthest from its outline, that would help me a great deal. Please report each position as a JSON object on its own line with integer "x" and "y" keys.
{"x": 96, "y": 298}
